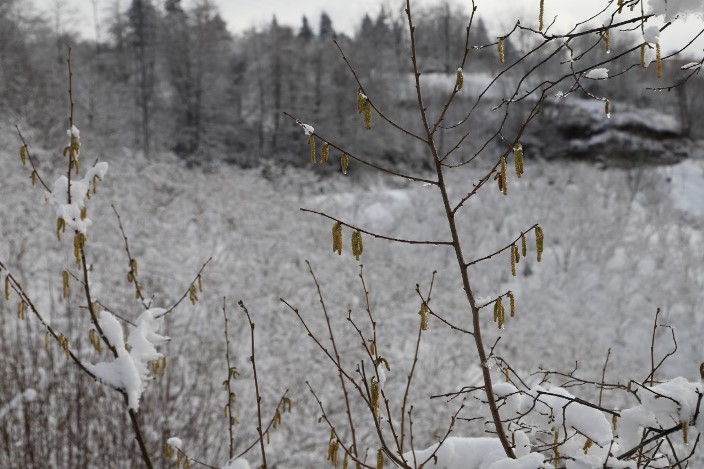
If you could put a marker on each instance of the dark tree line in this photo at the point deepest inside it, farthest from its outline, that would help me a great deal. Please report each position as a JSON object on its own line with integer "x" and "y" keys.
{"x": 170, "y": 78}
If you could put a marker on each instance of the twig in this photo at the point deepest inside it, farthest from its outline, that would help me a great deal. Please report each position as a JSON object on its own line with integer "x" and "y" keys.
{"x": 256, "y": 385}
{"x": 376, "y": 235}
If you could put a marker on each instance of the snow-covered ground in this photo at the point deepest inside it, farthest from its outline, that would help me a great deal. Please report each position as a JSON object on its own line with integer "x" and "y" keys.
{"x": 617, "y": 248}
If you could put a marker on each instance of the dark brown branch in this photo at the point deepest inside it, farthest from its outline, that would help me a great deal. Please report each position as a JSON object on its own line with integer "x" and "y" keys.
{"x": 31, "y": 160}
{"x": 523, "y": 233}
{"x": 252, "y": 359}
{"x": 371, "y": 102}
{"x": 362, "y": 160}
{"x": 375, "y": 235}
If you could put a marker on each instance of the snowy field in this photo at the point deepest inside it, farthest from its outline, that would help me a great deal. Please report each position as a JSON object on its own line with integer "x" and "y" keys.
{"x": 619, "y": 245}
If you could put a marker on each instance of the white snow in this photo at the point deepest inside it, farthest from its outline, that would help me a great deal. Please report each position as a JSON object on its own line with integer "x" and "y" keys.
{"x": 651, "y": 34}
{"x": 175, "y": 442}
{"x": 691, "y": 66}
{"x": 664, "y": 405}
{"x": 459, "y": 452}
{"x": 237, "y": 464}
{"x": 674, "y": 8}
{"x": 71, "y": 212}
{"x": 597, "y": 74}
{"x": 308, "y": 129}
{"x": 73, "y": 132}
{"x": 382, "y": 375}
{"x": 130, "y": 370}
{"x": 27, "y": 396}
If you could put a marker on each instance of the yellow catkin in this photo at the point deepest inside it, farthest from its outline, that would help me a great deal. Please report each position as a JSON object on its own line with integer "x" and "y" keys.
{"x": 33, "y": 178}
{"x": 587, "y": 445}
{"x": 541, "y": 23}
{"x": 380, "y": 459}
{"x": 503, "y": 176}
{"x": 658, "y": 60}
{"x": 60, "y": 227}
{"x": 539, "y": 240}
{"x": 459, "y": 80}
{"x": 357, "y": 245}
{"x": 518, "y": 159}
{"x": 374, "y": 401}
{"x": 685, "y": 432}
{"x": 614, "y": 422}
{"x": 200, "y": 283}
{"x": 556, "y": 450}
{"x": 499, "y": 313}
{"x": 344, "y": 163}
{"x": 607, "y": 41}
{"x": 424, "y": 310}
{"x": 607, "y": 109}
{"x": 507, "y": 374}
{"x": 620, "y": 6}
{"x": 512, "y": 303}
{"x": 21, "y": 308}
{"x": 7, "y": 287}
{"x": 337, "y": 238}
{"x": 168, "y": 451}
{"x": 23, "y": 154}
{"x": 361, "y": 100}
{"x": 95, "y": 184}
{"x": 500, "y": 46}
{"x": 325, "y": 153}
{"x": 133, "y": 266}
{"x": 367, "y": 113}
{"x": 192, "y": 294}
{"x": 524, "y": 245}
{"x": 642, "y": 55}
{"x": 84, "y": 213}
{"x": 79, "y": 240}
{"x": 345, "y": 460}
{"x": 65, "y": 278}
{"x": 513, "y": 259}
{"x": 311, "y": 143}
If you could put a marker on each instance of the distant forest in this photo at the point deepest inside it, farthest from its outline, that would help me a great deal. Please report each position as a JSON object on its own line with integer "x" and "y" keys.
{"x": 168, "y": 78}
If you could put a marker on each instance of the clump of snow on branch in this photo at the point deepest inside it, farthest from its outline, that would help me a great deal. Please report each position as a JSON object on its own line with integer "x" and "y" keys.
{"x": 237, "y": 464}
{"x": 130, "y": 370}
{"x": 691, "y": 66}
{"x": 71, "y": 212}
{"x": 598, "y": 74}
{"x": 308, "y": 129}
{"x": 676, "y": 8}
{"x": 477, "y": 453}
{"x": 175, "y": 443}
{"x": 665, "y": 405}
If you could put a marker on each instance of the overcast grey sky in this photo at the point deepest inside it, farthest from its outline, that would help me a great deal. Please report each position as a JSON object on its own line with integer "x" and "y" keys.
{"x": 346, "y": 14}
